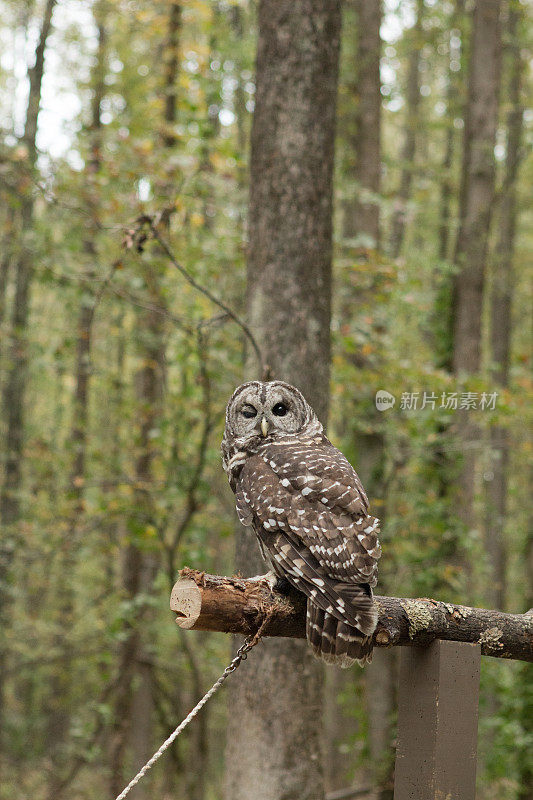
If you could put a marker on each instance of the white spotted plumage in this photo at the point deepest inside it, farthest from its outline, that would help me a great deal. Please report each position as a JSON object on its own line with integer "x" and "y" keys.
{"x": 309, "y": 511}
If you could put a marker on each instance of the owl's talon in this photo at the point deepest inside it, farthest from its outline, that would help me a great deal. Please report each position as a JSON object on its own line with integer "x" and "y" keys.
{"x": 275, "y": 582}
{"x": 282, "y": 586}
{"x": 269, "y": 577}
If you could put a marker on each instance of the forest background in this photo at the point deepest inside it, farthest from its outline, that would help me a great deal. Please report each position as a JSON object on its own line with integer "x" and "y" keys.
{"x": 124, "y": 164}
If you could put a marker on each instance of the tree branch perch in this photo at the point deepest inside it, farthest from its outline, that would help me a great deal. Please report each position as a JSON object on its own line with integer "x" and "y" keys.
{"x": 238, "y": 605}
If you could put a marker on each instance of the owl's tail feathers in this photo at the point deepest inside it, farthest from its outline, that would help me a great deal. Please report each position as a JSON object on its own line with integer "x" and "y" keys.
{"x": 336, "y": 642}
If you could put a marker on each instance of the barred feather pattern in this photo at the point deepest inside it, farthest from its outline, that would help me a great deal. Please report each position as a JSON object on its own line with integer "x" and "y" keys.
{"x": 309, "y": 511}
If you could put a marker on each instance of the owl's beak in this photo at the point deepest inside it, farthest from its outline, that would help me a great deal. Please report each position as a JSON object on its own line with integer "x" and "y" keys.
{"x": 264, "y": 426}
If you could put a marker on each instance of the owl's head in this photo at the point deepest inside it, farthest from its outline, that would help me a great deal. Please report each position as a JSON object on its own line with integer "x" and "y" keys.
{"x": 268, "y": 410}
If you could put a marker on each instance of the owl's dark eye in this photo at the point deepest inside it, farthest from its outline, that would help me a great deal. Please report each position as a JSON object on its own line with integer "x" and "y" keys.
{"x": 280, "y": 409}
{"x": 249, "y": 412}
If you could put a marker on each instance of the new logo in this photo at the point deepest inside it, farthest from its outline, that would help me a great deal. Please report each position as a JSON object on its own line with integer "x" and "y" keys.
{"x": 384, "y": 400}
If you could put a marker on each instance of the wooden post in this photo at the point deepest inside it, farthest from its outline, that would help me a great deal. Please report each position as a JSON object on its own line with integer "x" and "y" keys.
{"x": 437, "y": 722}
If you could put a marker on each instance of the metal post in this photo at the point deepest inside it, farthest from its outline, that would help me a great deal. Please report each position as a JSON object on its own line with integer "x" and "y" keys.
{"x": 437, "y": 722}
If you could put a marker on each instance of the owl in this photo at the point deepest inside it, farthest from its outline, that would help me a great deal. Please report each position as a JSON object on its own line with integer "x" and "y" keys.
{"x": 309, "y": 512}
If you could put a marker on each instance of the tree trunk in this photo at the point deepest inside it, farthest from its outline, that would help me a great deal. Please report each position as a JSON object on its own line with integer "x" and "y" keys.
{"x": 409, "y": 144}
{"x": 380, "y": 675}
{"x": 135, "y": 695}
{"x": 171, "y": 66}
{"x": 133, "y": 705}
{"x": 5, "y": 260}
{"x": 274, "y": 730}
{"x": 500, "y": 317}
{"x": 241, "y": 112}
{"x": 477, "y": 190}
{"x": 60, "y": 713}
{"x": 453, "y": 91}
{"x": 442, "y": 328}
{"x": 361, "y": 218}
{"x": 526, "y": 768}
{"x": 362, "y": 222}
{"x": 14, "y": 389}
{"x": 477, "y": 196}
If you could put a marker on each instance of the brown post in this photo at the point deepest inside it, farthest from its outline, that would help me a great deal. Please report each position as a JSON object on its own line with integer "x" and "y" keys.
{"x": 437, "y": 722}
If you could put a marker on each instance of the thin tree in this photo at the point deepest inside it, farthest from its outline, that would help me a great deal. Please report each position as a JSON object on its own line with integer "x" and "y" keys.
{"x": 408, "y": 151}
{"x": 14, "y": 389}
{"x": 501, "y": 303}
{"x": 361, "y": 222}
{"x": 453, "y": 93}
{"x": 7, "y": 254}
{"x": 61, "y": 707}
{"x": 476, "y": 202}
{"x": 133, "y": 698}
{"x": 362, "y": 217}
{"x": 442, "y": 328}
{"x": 477, "y": 188}
{"x": 134, "y": 702}
{"x": 274, "y": 730}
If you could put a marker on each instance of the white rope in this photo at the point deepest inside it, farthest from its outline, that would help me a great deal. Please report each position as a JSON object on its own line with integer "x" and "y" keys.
{"x": 242, "y": 653}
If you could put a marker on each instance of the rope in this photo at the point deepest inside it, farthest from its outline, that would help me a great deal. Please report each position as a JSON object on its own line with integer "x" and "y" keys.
{"x": 242, "y": 655}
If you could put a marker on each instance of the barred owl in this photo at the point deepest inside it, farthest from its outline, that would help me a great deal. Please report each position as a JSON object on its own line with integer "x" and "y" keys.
{"x": 309, "y": 512}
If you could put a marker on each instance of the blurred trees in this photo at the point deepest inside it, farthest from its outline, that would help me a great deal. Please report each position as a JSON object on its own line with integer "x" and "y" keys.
{"x": 115, "y": 370}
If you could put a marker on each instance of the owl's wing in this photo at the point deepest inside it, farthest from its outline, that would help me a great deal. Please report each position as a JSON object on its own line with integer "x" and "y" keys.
{"x": 330, "y": 492}
{"x": 318, "y": 469}
{"x": 324, "y": 551}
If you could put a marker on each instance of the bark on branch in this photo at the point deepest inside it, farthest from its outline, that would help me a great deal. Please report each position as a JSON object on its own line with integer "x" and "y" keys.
{"x": 238, "y": 605}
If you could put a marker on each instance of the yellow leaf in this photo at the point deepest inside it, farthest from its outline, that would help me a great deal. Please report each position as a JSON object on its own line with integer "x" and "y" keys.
{"x": 197, "y": 219}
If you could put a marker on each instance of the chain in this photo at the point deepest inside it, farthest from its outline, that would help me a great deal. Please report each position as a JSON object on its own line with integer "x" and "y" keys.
{"x": 241, "y": 655}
